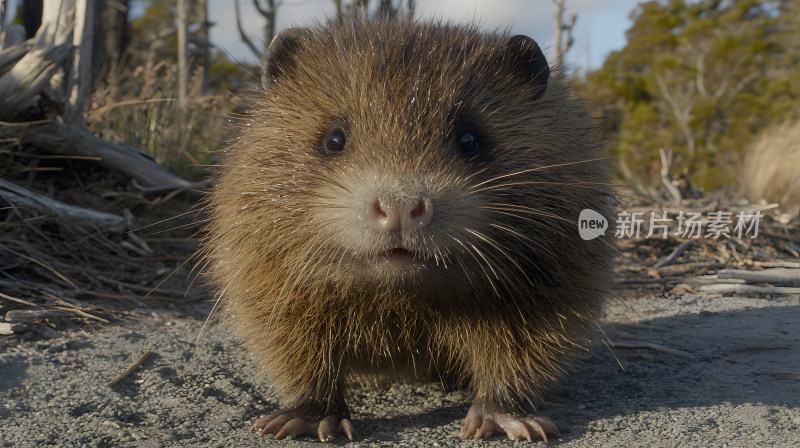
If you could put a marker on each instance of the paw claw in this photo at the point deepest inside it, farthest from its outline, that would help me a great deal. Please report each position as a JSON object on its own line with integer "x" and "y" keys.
{"x": 286, "y": 424}
{"x": 274, "y": 423}
{"x": 483, "y": 422}
{"x": 346, "y": 427}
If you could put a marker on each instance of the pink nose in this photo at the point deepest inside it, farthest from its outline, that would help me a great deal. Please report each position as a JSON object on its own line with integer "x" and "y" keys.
{"x": 410, "y": 214}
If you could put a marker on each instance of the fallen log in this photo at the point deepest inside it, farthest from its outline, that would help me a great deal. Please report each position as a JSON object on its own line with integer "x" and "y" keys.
{"x": 775, "y": 276}
{"x": 28, "y": 77}
{"x": 74, "y": 139}
{"x": 77, "y": 215}
{"x": 730, "y": 288}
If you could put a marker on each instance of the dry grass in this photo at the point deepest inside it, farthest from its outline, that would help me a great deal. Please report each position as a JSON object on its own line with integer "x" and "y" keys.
{"x": 140, "y": 107}
{"x": 88, "y": 275}
{"x": 83, "y": 273}
{"x": 771, "y": 168}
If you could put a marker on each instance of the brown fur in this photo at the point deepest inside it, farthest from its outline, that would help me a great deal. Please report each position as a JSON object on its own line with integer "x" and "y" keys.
{"x": 509, "y": 286}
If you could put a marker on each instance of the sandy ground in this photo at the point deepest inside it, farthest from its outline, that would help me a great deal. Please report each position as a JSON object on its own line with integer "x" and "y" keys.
{"x": 732, "y": 380}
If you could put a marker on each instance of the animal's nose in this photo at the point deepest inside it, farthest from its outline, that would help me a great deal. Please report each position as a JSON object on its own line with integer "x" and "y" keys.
{"x": 410, "y": 214}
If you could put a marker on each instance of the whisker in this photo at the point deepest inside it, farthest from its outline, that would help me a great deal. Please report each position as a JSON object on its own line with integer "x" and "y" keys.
{"x": 523, "y": 209}
{"x": 513, "y": 261}
{"x": 587, "y": 185}
{"x": 530, "y": 170}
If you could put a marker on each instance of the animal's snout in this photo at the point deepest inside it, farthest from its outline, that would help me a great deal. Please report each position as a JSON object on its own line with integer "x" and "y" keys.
{"x": 407, "y": 214}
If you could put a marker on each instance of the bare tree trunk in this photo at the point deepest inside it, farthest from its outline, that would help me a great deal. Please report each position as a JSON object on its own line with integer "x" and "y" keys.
{"x": 58, "y": 61}
{"x": 682, "y": 111}
{"x": 256, "y": 51}
{"x": 561, "y": 29}
{"x": 173, "y": 153}
{"x": 666, "y": 177}
{"x": 268, "y": 12}
{"x": 183, "y": 69}
{"x": 203, "y": 34}
{"x": 78, "y": 81}
{"x": 111, "y": 33}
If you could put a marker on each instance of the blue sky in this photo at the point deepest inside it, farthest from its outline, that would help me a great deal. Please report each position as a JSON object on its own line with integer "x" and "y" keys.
{"x": 600, "y": 28}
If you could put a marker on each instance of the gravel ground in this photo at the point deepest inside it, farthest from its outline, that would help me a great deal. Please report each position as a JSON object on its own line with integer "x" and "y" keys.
{"x": 734, "y": 382}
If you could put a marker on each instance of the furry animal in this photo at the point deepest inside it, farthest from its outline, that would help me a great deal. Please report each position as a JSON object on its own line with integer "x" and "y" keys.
{"x": 401, "y": 199}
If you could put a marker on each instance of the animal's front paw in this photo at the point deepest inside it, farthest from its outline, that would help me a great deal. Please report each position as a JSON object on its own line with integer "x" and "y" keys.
{"x": 484, "y": 421}
{"x": 292, "y": 423}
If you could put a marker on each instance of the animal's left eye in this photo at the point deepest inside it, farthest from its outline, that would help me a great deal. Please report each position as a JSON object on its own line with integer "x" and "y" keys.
{"x": 335, "y": 141}
{"x": 467, "y": 143}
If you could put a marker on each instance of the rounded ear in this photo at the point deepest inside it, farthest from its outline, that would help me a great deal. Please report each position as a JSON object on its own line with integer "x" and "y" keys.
{"x": 527, "y": 59}
{"x": 279, "y": 55}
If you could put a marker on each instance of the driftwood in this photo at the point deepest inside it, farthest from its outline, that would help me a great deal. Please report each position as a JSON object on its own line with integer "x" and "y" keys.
{"x": 730, "y": 288}
{"x": 79, "y": 76}
{"x": 11, "y": 328}
{"x": 709, "y": 280}
{"x": 55, "y": 65}
{"x": 775, "y": 276}
{"x": 679, "y": 269}
{"x": 77, "y": 215}
{"x": 778, "y": 264}
{"x": 28, "y": 77}
{"x": 29, "y": 316}
{"x": 671, "y": 258}
{"x": 76, "y": 140}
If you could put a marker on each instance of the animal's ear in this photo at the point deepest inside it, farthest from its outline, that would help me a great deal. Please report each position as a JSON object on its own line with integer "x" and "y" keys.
{"x": 280, "y": 54}
{"x": 528, "y": 61}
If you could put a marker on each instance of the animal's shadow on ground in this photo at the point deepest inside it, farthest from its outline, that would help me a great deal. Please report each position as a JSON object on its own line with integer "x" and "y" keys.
{"x": 730, "y": 357}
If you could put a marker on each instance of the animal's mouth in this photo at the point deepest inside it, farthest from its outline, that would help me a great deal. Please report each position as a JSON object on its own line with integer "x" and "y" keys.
{"x": 400, "y": 256}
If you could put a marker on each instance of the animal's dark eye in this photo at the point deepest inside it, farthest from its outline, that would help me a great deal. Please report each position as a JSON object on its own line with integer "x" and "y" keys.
{"x": 335, "y": 140}
{"x": 467, "y": 143}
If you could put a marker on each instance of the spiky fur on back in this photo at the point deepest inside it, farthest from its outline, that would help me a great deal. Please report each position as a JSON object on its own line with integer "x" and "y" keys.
{"x": 509, "y": 286}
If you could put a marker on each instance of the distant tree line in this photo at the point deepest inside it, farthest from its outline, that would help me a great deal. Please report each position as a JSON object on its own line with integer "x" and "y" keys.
{"x": 699, "y": 79}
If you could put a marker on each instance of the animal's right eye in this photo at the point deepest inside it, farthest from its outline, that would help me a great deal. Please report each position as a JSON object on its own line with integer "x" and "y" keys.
{"x": 335, "y": 141}
{"x": 467, "y": 143}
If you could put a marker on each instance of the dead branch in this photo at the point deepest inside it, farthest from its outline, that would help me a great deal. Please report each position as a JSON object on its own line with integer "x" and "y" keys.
{"x": 679, "y": 269}
{"x": 775, "y": 276}
{"x": 242, "y": 34}
{"x": 728, "y": 288}
{"x": 30, "y": 316}
{"x": 708, "y": 280}
{"x": 76, "y": 140}
{"x": 670, "y": 259}
{"x": 666, "y": 177}
{"x": 777, "y": 264}
{"x": 561, "y": 29}
{"x": 681, "y": 112}
{"x": 77, "y": 215}
{"x": 11, "y": 328}
{"x": 132, "y": 368}
{"x": 28, "y": 77}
